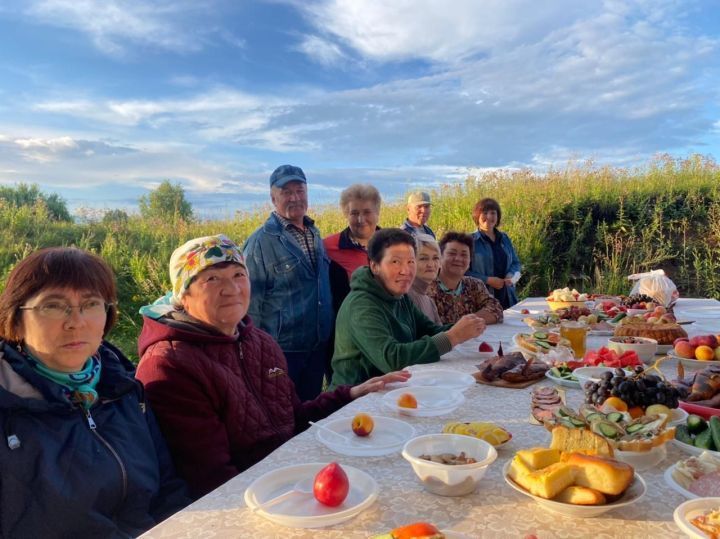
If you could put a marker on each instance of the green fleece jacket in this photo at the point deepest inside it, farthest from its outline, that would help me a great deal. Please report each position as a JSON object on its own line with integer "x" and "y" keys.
{"x": 377, "y": 332}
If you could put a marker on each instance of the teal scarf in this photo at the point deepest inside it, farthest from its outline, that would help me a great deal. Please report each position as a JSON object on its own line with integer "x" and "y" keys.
{"x": 78, "y": 387}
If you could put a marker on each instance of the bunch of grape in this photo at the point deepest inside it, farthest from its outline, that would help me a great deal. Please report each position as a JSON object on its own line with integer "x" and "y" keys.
{"x": 635, "y": 389}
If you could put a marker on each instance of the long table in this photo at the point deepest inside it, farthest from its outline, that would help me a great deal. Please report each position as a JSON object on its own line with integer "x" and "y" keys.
{"x": 494, "y": 510}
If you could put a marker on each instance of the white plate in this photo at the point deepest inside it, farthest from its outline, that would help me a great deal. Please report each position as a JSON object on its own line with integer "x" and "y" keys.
{"x": 440, "y": 378}
{"x": 432, "y": 401}
{"x": 388, "y": 436}
{"x": 663, "y": 348}
{"x": 635, "y": 491}
{"x": 469, "y": 350}
{"x": 601, "y": 333}
{"x": 670, "y": 480}
{"x": 693, "y": 362}
{"x": 690, "y": 509}
{"x": 303, "y": 510}
{"x": 691, "y": 449}
{"x": 563, "y": 381}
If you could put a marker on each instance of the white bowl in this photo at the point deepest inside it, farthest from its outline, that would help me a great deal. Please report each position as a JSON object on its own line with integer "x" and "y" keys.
{"x": 585, "y": 374}
{"x": 444, "y": 479}
{"x": 645, "y": 348}
{"x": 635, "y": 491}
{"x": 690, "y": 509}
{"x": 643, "y": 460}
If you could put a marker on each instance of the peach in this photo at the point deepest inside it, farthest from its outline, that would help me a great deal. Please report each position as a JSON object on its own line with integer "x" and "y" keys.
{"x": 407, "y": 400}
{"x": 362, "y": 424}
{"x": 704, "y": 340}
{"x": 660, "y": 310}
{"x": 680, "y": 339}
{"x": 685, "y": 350}
{"x": 704, "y": 353}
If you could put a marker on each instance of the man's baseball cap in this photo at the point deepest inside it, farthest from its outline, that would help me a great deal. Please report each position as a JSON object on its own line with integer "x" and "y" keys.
{"x": 286, "y": 173}
{"x": 419, "y": 198}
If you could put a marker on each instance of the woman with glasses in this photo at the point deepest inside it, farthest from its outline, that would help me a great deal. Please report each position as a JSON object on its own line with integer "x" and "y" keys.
{"x": 454, "y": 293}
{"x": 80, "y": 454}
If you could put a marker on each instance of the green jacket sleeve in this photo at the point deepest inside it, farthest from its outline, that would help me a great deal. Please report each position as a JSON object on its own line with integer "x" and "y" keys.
{"x": 373, "y": 336}
{"x": 425, "y": 326}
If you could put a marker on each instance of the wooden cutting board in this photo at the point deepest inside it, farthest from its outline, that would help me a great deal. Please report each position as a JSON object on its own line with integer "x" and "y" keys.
{"x": 504, "y": 383}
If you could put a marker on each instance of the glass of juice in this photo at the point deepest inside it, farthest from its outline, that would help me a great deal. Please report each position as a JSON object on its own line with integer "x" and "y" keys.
{"x": 576, "y": 333}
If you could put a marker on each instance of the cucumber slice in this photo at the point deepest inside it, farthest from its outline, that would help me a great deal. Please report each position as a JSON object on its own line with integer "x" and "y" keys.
{"x": 543, "y": 344}
{"x": 556, "y": 373}
{"x": 609, "y": 430}
{"x": 577, "y": 422}
{"x": 540, "y": 336}
{"x": 595, "y": 416}
{"x": 635, "y": 427}
{"x": 696, "y": 424}
{"x": 615, "y": 417}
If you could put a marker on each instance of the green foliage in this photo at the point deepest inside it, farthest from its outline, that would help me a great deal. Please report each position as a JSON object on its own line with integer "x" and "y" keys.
{"x": 116, "y": 218}
{"x": 30, "y": 196}
{"x": 582, "y": 226}
{"x": 166, "y": 202}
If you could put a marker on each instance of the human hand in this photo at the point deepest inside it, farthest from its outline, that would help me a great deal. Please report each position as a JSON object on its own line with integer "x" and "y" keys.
{"x": 468, "y": 327}
{"x": 378, "y": 383}
{"x": 508, "y": 281}
{"x": 496, "y": 282}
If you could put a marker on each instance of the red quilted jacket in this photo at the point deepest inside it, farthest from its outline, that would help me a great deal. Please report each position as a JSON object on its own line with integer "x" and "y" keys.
{"x": 223, "y": 403}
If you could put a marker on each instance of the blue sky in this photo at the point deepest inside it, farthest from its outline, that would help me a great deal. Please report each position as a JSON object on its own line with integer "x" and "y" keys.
{"x": 102, "y": 100}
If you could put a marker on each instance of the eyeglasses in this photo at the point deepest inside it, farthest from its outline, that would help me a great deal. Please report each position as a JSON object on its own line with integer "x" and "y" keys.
{"x": 59, "y": 310}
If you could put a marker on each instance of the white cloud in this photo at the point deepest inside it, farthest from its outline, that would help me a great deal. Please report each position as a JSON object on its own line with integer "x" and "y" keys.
{"x": 112, "y": 25}
{"x": 437, "y": 30}
{"x": 321, "y": 50}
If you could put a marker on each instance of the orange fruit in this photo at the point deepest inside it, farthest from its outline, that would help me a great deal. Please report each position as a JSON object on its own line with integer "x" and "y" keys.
{"x": 635, "y": 412}
{"x": 617, "y": 403}
{"x": 704, "y": 353}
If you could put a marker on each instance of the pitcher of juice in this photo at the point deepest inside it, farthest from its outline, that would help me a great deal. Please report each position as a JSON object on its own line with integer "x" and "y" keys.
{"x": 576, "y": 333}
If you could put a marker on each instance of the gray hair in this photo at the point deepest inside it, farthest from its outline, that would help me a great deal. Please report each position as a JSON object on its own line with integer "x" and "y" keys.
{"x": 426, "y": 240}
{"x": 360, "y": 191}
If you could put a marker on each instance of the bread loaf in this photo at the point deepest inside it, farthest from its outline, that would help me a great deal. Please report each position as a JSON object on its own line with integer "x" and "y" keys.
{"x": 607, "y": 475}
{"x": 580, "y": 496}
{"x": 580, "y": 441}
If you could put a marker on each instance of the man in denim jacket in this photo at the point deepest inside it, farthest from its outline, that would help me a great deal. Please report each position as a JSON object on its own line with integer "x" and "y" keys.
{"x": 289, "y": 276}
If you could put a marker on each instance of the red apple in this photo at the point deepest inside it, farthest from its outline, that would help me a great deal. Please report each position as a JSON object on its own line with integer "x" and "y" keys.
{"x": 331, "y": 485}
{"x": 524, "y": 311}
{"x": 706, "y": 340}
{"x": 485, "y": 347}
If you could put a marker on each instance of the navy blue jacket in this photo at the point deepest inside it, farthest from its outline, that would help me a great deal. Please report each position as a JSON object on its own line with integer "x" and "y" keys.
{"x": 481, "y": 266}
{"x": 64, "y": 473}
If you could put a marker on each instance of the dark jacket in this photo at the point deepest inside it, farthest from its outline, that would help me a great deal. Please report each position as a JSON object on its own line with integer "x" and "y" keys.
{"x": 68, "y": 478}
{"x": 223, "y": 403}
{"x": 377, "y": 333}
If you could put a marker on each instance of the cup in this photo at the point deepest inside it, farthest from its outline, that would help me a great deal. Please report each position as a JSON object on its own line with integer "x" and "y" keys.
{"x": 576, "y": 333}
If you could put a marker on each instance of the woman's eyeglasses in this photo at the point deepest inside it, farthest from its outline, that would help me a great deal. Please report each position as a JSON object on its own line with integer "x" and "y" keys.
{"x": 59, "y": 310}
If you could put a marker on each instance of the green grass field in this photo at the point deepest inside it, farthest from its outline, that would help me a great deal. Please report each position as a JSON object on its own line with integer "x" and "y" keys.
{"x": 583, "y": 226}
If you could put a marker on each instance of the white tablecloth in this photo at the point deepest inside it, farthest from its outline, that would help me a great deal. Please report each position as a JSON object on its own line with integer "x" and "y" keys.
{"x": 494, "y": 510}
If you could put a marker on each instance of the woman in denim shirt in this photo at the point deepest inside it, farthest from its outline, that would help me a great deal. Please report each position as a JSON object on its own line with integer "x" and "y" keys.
{"x": 495, "y": 261}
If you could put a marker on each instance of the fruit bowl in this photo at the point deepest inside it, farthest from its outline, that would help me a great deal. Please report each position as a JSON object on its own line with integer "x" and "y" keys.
{"x": 645, "y": 348}
{"x": 556, "y": 305}
{"x": 445, "y": 479}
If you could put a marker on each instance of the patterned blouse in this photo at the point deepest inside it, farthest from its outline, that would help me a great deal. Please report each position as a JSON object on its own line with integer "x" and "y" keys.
{"x": 470, "y": 296}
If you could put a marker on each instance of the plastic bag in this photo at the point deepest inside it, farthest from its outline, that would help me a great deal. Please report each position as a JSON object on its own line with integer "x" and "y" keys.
{"x": 656, "y": 285}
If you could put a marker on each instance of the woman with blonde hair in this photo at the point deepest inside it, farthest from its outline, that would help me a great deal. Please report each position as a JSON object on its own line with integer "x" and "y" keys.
{"x": 428, "y": 265}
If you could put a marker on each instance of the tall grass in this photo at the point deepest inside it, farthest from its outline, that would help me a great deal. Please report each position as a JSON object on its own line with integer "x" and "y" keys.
{"x": 583, "y": 225}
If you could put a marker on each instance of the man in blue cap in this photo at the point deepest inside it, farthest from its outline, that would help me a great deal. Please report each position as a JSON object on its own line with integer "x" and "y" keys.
{"x": 290, "y": 283}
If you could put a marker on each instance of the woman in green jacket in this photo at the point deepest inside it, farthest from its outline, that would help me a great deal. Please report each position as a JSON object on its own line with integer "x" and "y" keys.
{"x": 378, "y": 328}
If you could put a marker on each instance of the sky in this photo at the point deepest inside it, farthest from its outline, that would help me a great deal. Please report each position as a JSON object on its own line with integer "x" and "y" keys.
{"x": 100, "y": 101}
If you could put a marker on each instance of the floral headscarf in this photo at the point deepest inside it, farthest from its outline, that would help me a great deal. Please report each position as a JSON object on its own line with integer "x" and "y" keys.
{"x": 197, "y": 255}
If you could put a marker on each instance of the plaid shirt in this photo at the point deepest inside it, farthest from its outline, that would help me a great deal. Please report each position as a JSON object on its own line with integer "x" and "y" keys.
{"x": 305, "y": 238}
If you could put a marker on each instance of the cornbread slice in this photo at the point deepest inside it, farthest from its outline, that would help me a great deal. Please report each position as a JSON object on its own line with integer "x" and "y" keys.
{"x": 539, "y": 457}
{"x": 550, "y": 481}
{"x": 581, "y": 496}
{"x": 519, "y": 468}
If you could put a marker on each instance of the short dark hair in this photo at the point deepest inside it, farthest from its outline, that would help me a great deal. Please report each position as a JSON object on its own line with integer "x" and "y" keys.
{"x": 484, "y": 205}
{"x": 55, "y": 267}
{"x": 460, "y": 237}
{"x": 387, "y": 237}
